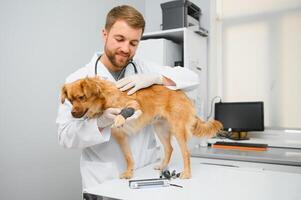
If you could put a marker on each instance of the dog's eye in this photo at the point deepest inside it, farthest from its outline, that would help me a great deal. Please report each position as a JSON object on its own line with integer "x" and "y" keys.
{"x": 82, "y": 98}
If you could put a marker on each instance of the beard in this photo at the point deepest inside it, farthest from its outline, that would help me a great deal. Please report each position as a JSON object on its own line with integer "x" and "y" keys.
{"x": 118, "y": 63}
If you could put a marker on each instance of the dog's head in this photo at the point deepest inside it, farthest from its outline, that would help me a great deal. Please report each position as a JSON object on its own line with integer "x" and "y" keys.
{"x": 83, "y": 94}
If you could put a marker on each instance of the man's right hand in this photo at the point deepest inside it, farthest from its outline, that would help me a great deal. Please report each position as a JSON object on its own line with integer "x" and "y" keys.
{"x": 107, "y": 118}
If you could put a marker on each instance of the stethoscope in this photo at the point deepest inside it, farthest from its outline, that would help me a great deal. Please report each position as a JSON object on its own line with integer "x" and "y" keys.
{"x": 123, "y": 69}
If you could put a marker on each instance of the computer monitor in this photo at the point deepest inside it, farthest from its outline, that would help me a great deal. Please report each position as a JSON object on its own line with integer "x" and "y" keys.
{"x": 240, "y": 117}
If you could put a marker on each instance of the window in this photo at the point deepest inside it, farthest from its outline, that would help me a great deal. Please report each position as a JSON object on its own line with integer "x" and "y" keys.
{"x": 261, "y": 57}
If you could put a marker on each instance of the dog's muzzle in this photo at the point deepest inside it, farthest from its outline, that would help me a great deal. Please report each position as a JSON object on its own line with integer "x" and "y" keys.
{"x": 78, "y": 114}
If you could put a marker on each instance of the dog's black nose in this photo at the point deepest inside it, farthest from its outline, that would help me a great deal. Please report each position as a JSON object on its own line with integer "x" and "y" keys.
{"x": 76, "y": 114}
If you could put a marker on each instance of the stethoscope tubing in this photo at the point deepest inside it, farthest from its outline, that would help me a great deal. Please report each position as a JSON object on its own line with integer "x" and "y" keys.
{"x": 131, "y": 62}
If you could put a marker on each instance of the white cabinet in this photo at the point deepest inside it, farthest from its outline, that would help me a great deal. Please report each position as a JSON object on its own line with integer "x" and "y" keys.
{"x": 194, "y": 57}
{"x": 160, "y": 51}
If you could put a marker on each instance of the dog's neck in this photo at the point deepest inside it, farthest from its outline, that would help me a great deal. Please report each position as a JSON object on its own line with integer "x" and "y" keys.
{"x": 113, "y": 96}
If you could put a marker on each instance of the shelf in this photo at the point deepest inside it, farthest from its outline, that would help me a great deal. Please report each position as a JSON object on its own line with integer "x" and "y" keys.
{"x": 175, "y": 35}
{"x": 194, "y": 57}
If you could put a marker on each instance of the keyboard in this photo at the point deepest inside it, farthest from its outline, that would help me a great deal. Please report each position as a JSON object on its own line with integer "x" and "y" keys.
{"x": 240, "y": 146}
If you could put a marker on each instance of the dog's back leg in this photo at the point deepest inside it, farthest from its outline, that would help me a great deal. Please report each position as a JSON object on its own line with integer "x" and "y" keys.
{"x": 122, "y": 140}
{"x": 181, "y": 132}
{"x": 163, "y": 132}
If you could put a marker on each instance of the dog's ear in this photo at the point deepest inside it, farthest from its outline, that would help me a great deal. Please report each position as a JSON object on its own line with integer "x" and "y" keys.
{"x": 90, "y": 87}
{"x": 63, "y": 94}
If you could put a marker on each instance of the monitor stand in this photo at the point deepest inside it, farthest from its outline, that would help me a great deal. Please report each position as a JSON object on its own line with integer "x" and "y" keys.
{"x": 239, "y": 135}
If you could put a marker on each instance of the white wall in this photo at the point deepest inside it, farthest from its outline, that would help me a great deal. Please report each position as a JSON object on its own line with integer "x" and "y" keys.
{"x": 41, "y": 43}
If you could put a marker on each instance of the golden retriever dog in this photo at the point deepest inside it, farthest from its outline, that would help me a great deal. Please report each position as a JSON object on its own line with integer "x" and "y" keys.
{"x": 159, "y": 105}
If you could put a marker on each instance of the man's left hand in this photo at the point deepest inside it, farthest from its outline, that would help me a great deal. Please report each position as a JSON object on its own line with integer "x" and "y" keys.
{"x": 139, "y": 81}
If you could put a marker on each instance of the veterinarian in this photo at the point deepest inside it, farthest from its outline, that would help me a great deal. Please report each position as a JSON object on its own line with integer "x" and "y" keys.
{"x": 101, "y": 157}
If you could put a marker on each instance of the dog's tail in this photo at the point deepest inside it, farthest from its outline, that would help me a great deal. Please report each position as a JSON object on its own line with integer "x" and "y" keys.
{"x": 208, "y": 129}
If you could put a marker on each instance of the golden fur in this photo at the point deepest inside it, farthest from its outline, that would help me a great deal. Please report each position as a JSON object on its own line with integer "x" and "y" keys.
{"x": 159, "y": 105}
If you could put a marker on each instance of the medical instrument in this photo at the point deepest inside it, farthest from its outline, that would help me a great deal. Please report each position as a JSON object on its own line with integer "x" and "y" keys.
{"x": 148, "y": 183}
{"x": 123, "y": 69}
{"x": 166, "y": 174}
{"x": 127, "y": 112}
{"x": 151, "y": 183}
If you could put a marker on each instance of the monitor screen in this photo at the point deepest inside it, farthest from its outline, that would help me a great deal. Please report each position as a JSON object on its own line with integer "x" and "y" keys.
{"x": 240, "y": 116}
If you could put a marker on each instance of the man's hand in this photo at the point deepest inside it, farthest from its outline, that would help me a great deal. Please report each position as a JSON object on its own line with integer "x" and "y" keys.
{"x": 107, "y": 118}
{"x": 139, "y": 81}
{"x": 120, "y": 120}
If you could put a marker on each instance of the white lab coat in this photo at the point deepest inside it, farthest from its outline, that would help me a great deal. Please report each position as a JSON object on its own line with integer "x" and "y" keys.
{"x": 101, "y": 157}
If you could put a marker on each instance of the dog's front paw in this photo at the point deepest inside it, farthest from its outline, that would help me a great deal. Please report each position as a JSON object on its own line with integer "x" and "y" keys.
{"x": 185, "y": 175}
{"x": 126, "y": 175}
{"x": 91, "y": 114}
{"x": 119, "y": 121}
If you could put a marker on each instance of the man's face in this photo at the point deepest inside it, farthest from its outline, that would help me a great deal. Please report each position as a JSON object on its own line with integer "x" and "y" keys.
{"x": 121, "y": 42}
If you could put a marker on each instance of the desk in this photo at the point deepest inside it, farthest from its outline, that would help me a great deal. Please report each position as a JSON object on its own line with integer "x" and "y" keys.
{"x": 281, "y": 156}
{"x": 278, "y": 159}
{"x": 210, "y": 182}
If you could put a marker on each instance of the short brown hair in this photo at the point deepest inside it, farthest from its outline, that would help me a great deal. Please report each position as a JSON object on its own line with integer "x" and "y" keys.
{"x": 127, "y": 13}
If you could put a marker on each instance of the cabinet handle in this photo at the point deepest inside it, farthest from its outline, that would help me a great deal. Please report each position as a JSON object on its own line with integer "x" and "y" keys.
{"x": 199, "y": 68}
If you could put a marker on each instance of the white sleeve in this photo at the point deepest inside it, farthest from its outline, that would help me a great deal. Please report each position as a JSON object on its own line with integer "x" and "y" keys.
{"x": 78, "y": 133}
{"x": 184, "y": 78}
